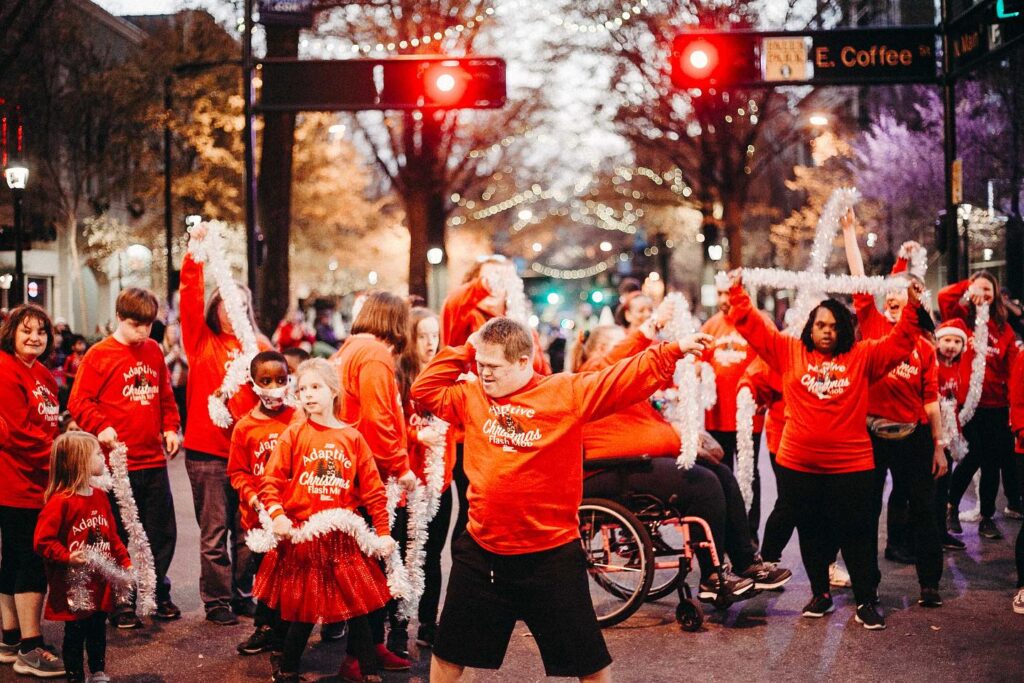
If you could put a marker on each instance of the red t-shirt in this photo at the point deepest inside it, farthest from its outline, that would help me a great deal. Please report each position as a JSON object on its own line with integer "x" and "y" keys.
{"x": 252, "y": 441}
{"x": 524, "y": 451}
{"x": 766, "y": 387}
{"x": 127, "y": 388}
{"x": 29, "y": 408}
{"x": 71, "y": 364}
{"x": 729, "y": 356}
{"x": 67, "y": 523}
{"x": 826, "y": 396}
{"x": 953, "y": 381}
{"x": 315, "y": 468}
{"x": 1017, "y": 402}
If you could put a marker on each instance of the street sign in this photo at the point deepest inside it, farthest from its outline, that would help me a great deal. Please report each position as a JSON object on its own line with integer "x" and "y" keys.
{"x": 784, "y": 59}
{"x": 297, "y": 13}
{"x": 982, "y": 34}
{"x": 956, "y": 179}
{"x": 879, "y": 55}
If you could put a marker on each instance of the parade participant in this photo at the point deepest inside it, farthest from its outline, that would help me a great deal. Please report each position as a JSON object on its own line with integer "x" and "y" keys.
{"x": 225, "y": 583}
{"x": 953, "y": 379}
{"x": 252, "y": 442}
{"x": 634, "y": 308}
{"x": 826, "y": 467}
{"x": 906, "y": 428}
{"x": 1017, "y": 425}
{"x": 521, "y": 557}
{"x": 77, "y": 518}
{"x": 707, "y": 490}
{"x": 295, "y": 357}
{"x": 424, "y": 335}
{"x": 370, "y": 402}
{"x": 729, "y": 357}
{"x": 322, "y": 464}
{"x": 123, "y": 393}
{"x": 30, "y": 412}
{"x": 988, "y": 432}
{"x": 73, "y": 361}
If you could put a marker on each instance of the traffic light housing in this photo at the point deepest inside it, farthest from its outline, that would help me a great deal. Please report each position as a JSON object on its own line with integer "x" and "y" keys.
{"x": 443, "y": 83}
{"x": 714, "y": 60}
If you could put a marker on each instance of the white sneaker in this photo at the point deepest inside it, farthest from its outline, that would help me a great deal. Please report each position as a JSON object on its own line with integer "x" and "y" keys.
{"x": 99, "y": 677}
{"x": 1010, "y": 513}
{"x": 971, "y": 516}
{"x": 1018, "y": 602}
{"x": 838, "y": 577}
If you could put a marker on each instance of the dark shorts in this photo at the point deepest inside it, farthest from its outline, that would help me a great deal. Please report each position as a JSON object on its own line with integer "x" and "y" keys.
{"x": 488, "y": 593}
{"x": 21, "y": 570}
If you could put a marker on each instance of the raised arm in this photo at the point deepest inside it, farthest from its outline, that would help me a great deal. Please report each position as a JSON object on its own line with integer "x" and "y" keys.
{"x": 768, "y": 342}
{"x": 192, "y": 306}
{"x": 953, "y": 300}
{"x": 437, "y": 388}
{"x": 853, "y": 255}
{"x": 457, "y": 307}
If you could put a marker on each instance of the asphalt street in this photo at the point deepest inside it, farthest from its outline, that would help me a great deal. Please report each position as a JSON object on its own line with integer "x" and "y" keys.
{"x": 974, "y": 637}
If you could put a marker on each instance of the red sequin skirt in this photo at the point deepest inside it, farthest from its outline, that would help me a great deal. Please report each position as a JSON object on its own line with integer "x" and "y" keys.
{"x": 326, "y": 579}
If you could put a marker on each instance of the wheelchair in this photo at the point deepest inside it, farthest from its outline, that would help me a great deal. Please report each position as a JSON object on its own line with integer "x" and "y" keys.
{"x": 639, "y": 549}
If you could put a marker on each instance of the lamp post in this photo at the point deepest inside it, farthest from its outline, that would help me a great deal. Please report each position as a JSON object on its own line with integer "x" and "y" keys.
{"x": 17, "y": 179}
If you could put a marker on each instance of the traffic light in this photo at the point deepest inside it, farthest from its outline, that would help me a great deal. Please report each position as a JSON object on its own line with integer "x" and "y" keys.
{"x": 442, "y": 83}
{"x": 710, "y": 60}
{"x": 1009, "y": 9}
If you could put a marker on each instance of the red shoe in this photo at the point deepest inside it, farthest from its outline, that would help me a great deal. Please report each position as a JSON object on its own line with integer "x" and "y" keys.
{"x": 389, "y": 661}
{"x": 349, "y": 671}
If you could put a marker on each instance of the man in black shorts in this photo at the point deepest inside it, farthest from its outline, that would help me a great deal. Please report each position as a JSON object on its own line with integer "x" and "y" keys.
{"x": 521, "y": 557}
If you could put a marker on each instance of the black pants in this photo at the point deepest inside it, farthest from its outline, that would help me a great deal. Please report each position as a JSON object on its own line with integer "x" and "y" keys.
{"x": 265, "y": 614}
{"x": 991, "y": 450}
{"x": 21, "y": 569}
{"x": 1019, "y": 462}
{"x": 911, "y": 513}
{"x": 942, "y": 497}
{"x": 81, "y": 636}
{"x": 728, "y": 443}
{"x": 461, "y": 483}
{"x": 152, "y": 491}
{"x": 295, "y": 634}
{"x": 835, "y": 512}
{"x": 437, "y": 534}
{"x": 779, "y": 527}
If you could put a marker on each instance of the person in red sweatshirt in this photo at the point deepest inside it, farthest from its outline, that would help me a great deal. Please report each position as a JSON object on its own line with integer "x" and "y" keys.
{"x": 1017, "y": 425}
{"x": 76, "y": 518}
{"x": 321, "y": 464}
{"x": 74, "y": 360}
{"x": 225, "y": 582}
{"x": 906, "y": 429}
{"x": 123, "y": 393}
{"x": 520, "y": 557}
{"x": 951, "y": 339}
{"x": 370, "y": 402}
{"x": 826, "y": 466}
{"x": 988, "y": 432}
{"x": 252, "y": 442}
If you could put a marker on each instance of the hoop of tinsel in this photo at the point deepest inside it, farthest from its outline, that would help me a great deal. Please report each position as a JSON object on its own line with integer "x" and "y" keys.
{"x": 211, "y": 251}
{"x": 774, "y": 278}
{"x": 138, "y": 544}
{"x": 745, "y": 409}
{"x": 979, "y": 340}
{"x": 97, "y": 564}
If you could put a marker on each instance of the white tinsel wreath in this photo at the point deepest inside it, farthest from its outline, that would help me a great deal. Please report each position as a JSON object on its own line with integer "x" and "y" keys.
{"x": 211, "y": 251}
{"x": 745, "y": 409}
{"x": 138, "y": 543}
{"x": 97, "y": 563}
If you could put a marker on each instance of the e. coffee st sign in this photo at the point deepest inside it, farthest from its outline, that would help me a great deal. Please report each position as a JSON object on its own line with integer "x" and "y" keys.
{"x": 881, "y": 55}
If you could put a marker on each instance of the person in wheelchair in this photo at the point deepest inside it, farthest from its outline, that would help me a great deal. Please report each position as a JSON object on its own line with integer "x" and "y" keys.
{"x": 708, "y": 490}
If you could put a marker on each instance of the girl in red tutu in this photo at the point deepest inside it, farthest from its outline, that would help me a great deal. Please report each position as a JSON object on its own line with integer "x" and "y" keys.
{"x": 318, "y": 465}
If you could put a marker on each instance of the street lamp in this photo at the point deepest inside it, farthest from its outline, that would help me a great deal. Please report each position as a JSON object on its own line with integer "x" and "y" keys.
{"x": 818, "y": 120}
{"x": 17, "y": 179}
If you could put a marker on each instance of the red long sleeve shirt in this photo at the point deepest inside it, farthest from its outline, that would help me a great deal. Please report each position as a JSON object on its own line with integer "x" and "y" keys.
{"x": 252, "y": 441}
{"x": 826, "y": 396}
{"x": 1017, "y": 403}
{"x": 370, "y": 401}
{"x": 315, "y": 468}
{"x": 524, "y": 451}
{"x": 1002, "y": 346}
{"x": 208, "y": 356}
{"x": 29, "y": 408}
{"x": 127, "y": 387}
{"x": 766, "y": 387}
{"x": 729, "y": 356}
{"x": 68, "y": 523}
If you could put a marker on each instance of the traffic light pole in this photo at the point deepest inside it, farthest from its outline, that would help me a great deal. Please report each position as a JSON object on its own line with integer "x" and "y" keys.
{"x": 252, "y": 241}
{"x": 952, "y": 224}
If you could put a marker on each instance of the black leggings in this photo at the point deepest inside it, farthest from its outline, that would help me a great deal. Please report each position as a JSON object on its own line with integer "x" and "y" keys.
{"x": 835, "y": 512}
{"x": 295, "y": 634}
{"x": 991, "y": 450}
{"x": 437, "y": 534}
{"x": 780, "y": 525}
{"x": 1019, "y": 458}
{"x": 21, "y": 570}
{"x": 728, "y": 442}
{"x": 85, "y": 635}
{"x": 461, "y": 482}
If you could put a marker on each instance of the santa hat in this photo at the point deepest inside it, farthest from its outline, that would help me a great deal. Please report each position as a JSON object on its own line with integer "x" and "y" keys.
{"x": 954, "y": 327}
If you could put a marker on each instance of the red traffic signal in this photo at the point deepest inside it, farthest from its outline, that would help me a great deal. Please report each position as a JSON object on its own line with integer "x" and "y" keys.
{"x": 714, "y": 60}
{"x": 443, "y": 83}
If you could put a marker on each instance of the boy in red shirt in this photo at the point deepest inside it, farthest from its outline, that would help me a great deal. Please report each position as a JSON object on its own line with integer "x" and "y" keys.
{"x": 521, "y": 556}
{"x": 123, "y": 393}
{"x": 74, "y": 360}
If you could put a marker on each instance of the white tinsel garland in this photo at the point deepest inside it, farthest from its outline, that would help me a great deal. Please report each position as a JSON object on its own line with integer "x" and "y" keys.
{"x": 745, "y": 409}
{"x": 773, "y": 278}
{"x": 138, "y": 543}
{"x": 708, "y": 389}
{"x": 515, "y": 298}
{"x": 433, "y": 467}
{"x": 97, "y": 563}
{"x": 979, "y": 341}
{"x": 693, "y": 396}
{"x": 951, "y": 429}
{"x": 211, "y": 251}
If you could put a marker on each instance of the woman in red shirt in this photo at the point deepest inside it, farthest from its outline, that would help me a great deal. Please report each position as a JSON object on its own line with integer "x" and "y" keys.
{"x": 826, "y": 466}
{"x": 1017, "y": 425}
{"x": 988, "y": 432}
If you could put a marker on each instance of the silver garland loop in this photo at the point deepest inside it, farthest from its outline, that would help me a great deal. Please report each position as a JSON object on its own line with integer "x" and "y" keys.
{"x": 138, "y": 543}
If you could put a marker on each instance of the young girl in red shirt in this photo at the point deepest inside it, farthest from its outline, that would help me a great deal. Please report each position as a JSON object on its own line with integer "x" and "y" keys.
{"x": 322, "y": 464}
{"x": 78, "y": 517}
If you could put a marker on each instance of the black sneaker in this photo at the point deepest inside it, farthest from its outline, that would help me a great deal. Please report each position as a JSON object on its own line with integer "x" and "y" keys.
{"x": 222, "y": 616}
{"x": 870, "y": 616}
{"x": 126, "y": 620}
{"x": 261, "y": 640}
{"x": 167, "y": 610}
{"x": 930, "y": 597}
{"x": 398, "y": 640}
{"x": 332, "y": 632}
{"x": 899, "y": 555}
{"x": 426, "y": 634}
{"x": 819, "y": 606}
{"x": 244, "y": 608}
{"x": 282, "y": 677}
{"x": 988, "y": 529}
{"x": 953, "y": 520}
{"x": 734, "y": 585}
{"x": 767, "y": 576}
{"x": 950, "y": 542}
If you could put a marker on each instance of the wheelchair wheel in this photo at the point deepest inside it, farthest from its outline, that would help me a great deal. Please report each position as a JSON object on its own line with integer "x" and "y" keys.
{"x": 667, "y": 543}
{"x": 620, "y": 562}
{"x": 689, "y": 615}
